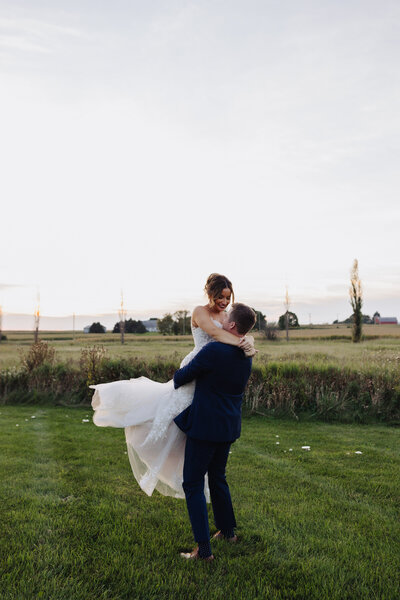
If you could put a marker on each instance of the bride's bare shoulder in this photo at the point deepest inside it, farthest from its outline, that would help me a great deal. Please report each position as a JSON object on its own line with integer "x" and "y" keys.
{"x": 198, "y": 313}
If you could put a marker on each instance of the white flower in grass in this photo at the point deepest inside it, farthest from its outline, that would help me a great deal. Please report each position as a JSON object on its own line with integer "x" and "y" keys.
{"x": 290, "y": 449}
{"x": 26, "y": 419}
{"x": 277, "y": 436}
{"x": 85, "y": 420}
{"x": 17, "y": 425}
{"x": 33, "y": 417}
{"x": 358, "y": 452}
{"x": 306, "y": 448}
{"x": 125, "y": 453}
{"x": 277, "y": 443}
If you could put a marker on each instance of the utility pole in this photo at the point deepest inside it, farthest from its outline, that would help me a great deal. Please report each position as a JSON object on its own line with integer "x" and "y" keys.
{"x": 1, "y": 321}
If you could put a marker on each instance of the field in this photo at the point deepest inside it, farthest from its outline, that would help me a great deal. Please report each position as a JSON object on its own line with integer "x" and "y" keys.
{"x": 315, "y": 345}
{"x": 319, "y": 524}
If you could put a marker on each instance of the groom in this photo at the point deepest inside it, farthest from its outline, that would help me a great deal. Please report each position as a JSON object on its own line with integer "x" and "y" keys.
{"x": 212, "y": 422}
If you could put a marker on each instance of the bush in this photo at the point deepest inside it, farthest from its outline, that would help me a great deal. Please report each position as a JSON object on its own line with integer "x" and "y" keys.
{"x": 90, "y": 363}
{"x": 326, "y": 393}
{"x": 39, "y": 353}
{"x": 271, "y": 333}
{"x": 292, "y": 389}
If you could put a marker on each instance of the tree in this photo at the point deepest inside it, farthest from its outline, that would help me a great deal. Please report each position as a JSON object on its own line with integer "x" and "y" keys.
{"x": 36, "y": 316}
{"x": 166, "y": 324}
{"x": 136, "y": 327}
{"x": 182, "y": 320}
{"x": 356, "y": 301}
{"x": 292, "y": 320}
{"x": 130, "y": 326}
{"x": 261, "y": 323}
{"x": 366, "y": 320}
{"x": 97, "y": 328}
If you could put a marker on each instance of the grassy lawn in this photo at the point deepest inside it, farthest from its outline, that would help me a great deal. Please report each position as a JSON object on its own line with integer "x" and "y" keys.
{"x": 320, "y": 524}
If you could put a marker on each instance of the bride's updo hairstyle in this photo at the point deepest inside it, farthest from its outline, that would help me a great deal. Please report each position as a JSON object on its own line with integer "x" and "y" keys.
{"x": 215, "y": 284}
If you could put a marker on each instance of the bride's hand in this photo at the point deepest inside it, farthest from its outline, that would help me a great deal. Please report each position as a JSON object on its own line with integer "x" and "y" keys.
{"x": 247, "y": 345}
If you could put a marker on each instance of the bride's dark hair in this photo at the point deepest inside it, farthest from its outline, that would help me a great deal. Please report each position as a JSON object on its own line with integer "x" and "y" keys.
{"x": 215, "y": 284}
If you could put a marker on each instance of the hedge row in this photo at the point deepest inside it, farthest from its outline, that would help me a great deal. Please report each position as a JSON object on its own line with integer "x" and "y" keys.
{"x": 290, "y": 389}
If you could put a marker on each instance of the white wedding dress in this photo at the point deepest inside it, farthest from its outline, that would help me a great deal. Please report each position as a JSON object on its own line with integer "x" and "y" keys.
{"x": 146, "y": 409}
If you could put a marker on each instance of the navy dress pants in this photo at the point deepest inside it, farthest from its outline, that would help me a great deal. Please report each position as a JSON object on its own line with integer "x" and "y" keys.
{"x": 203, "y": 457}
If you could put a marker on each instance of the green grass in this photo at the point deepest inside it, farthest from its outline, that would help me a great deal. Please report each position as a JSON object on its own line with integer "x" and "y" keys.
{"x": 320, "y": 524}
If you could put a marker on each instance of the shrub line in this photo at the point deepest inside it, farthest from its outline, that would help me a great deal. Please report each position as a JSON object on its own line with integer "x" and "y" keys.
{"x": 323, "y": 392}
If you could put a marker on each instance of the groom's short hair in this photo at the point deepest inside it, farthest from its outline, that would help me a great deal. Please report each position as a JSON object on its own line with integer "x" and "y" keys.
{"x": 243, "y": 316}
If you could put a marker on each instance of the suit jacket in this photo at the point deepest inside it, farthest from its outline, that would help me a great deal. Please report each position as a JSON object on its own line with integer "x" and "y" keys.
{"x": 221, "y": 372}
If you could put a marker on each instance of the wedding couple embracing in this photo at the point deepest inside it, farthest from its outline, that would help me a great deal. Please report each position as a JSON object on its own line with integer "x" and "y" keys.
{"x": 179, "y": 433}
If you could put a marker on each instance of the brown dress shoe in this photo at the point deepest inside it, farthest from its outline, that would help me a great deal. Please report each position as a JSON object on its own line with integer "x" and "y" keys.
{"x": 220, "y": 536}
{"x": 194, "y": 555}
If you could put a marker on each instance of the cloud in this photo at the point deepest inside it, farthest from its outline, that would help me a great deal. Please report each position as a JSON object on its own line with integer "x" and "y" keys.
{"x": 32, "y": 35}
{"x": 37, "y": 28}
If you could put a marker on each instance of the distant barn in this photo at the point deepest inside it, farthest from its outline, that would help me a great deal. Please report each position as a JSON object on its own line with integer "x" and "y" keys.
{"x": 385, "y": 320}
{"x": 151, "y": 325}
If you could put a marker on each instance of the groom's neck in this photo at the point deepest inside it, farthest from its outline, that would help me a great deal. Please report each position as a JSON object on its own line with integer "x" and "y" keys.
{"x": 232, "y": 329}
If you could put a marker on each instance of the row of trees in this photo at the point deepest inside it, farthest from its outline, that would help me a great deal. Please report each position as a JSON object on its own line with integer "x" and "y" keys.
{"x": 179, "y": 323}
{"x": 130, "y": 326}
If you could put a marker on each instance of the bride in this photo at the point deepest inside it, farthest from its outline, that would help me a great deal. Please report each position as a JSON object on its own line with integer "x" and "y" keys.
{"x": 146, "y": 408}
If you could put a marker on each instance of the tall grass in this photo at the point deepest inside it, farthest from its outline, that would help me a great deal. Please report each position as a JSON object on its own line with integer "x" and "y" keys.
{"x": 324, "y": 392}
{"x": 319, "y": 391}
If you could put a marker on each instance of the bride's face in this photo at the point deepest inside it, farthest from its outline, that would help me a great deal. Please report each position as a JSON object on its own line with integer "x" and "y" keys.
{"x": 223, "y": 300}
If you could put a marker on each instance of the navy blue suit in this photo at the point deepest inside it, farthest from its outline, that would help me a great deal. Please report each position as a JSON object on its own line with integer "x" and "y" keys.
{"x": 212, "y": 422}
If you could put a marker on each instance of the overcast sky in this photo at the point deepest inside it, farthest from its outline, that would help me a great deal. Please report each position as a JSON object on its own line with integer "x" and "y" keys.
{"x": 146, "y": 144}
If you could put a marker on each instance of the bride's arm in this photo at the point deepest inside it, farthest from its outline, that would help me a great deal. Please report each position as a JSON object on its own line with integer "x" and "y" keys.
{"x": 202, "y": 319}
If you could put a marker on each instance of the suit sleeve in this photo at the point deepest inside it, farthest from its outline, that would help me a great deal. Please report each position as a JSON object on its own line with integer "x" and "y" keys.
{"x": 201, "y": 363}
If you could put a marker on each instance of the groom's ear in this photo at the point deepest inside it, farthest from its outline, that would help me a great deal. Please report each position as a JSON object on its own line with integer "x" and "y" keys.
{"x": 231, "y": 324}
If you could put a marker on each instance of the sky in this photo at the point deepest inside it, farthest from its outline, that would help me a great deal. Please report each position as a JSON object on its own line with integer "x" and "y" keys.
{"x": 145, "y": 145}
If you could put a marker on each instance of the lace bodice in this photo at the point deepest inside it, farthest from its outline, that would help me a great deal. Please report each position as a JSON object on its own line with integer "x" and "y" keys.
{"x": 201, "y": 338}
{"x": 179, "y": 399}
